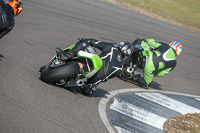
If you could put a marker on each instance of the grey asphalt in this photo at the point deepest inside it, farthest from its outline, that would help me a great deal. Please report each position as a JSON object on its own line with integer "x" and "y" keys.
{"x": 27, "y": 105}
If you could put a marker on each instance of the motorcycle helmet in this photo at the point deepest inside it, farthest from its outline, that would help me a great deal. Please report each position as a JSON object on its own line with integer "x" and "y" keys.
{"x": 126, "y": 48}
{"x": 176, "y": 46}
{"x": 16, "y": 5}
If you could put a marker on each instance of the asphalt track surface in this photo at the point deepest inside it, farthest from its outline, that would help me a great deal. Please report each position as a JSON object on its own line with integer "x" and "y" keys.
{"x": 27, "y": 105}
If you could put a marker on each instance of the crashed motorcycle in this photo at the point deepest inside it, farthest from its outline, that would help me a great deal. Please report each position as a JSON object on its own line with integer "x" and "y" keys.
{"x": 73, "y": 72}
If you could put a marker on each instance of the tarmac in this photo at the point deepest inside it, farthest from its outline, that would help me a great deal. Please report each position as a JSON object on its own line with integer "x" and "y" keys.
{"x": 28, "y": 105}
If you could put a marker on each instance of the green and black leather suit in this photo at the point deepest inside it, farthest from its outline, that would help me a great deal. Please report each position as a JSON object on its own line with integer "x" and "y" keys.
{"x": 160, "y": 59}
{"x": 111, "y": 57}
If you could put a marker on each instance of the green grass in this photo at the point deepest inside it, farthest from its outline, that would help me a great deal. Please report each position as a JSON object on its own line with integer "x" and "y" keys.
{"x": 186, "y": 12}
{"x": 195, "y": 130}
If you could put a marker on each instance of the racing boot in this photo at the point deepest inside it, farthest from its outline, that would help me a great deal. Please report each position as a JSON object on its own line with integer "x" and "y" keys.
{"x": 88, "y": 89}
{"x": 142, "y": 83}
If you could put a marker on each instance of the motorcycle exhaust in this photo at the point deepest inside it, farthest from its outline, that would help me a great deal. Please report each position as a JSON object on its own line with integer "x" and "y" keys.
{"x": 127, "y": 71}
{"x": 80, "y": 82}
{"x": 130, "y": 70}
{"x": 74, "y": 83}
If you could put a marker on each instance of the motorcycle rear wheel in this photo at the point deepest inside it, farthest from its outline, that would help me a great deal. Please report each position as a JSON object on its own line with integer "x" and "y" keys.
{"x": 55, "y": 74}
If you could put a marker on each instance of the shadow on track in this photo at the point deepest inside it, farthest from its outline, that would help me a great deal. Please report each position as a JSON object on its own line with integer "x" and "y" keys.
{"x": 97, "y": 93}
{"x": 1, "y": 57}
{"x": 76, "y": 90}
{"x": 101, "y": 92}
{"x": 155, "y": 85}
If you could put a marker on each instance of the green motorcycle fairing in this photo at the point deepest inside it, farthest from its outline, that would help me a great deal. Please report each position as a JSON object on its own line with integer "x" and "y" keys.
{"x": 70, "y": 47}
{"x": 96, "y": 61}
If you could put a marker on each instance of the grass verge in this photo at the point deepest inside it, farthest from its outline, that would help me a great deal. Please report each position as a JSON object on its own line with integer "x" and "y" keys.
{"x": 184, "y": 13}
{"x": 189, "y": 123}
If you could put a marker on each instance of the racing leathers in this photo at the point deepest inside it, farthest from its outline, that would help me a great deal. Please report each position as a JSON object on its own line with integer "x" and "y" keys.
{"x": 112, "y": 61}
{"x": 7, "y": 20}
{"x": 159, "y": 57}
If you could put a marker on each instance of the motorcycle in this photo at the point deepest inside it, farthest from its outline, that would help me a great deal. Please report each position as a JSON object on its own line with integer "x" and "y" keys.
{"x": 73, "y": 72}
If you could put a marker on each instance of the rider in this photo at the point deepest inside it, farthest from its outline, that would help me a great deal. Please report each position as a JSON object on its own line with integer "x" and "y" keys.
{"x": 155, "y": 59}
{"x": 111, "y": 56}
{"x": 8, "y": 12}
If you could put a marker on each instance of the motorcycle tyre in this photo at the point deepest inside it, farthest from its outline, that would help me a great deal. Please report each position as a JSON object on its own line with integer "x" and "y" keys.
{"x": 42, "y": 68}
{"x": 58, "y": 73}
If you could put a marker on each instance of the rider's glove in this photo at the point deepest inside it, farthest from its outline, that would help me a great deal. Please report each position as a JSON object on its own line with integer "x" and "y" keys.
{"x": 137, "y": 41}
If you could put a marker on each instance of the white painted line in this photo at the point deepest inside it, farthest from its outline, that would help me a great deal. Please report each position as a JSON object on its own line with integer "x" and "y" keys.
{"x": 197, "y": 99}
{"x": 138, "y": 113}
{"x": 102, "y": 110}
{"x": 169, "y": 102}
{"x": 104, "y": 101}
{"x": 122, "y": 130}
